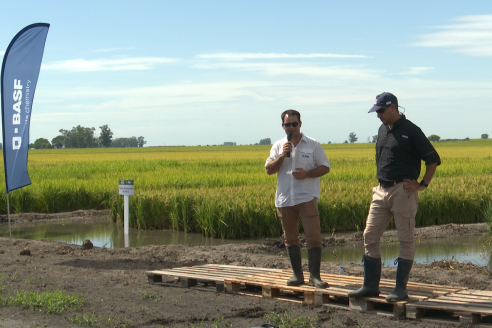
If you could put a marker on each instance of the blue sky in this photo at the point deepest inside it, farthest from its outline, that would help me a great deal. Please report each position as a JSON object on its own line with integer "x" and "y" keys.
{"x": 206, "y": 72}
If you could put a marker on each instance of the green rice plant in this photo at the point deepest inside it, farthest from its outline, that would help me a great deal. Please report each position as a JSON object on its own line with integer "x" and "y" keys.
{"x": 224, "y": 192}
{"x": 487, "y": 213}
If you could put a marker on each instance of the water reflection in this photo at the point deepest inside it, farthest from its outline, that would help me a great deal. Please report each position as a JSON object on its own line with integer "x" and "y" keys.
{"x": 474, "y": 249}
{"x": 103, "y": 233}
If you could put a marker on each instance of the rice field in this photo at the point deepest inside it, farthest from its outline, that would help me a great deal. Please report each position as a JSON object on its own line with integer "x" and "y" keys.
{"x": 224, "y": 192}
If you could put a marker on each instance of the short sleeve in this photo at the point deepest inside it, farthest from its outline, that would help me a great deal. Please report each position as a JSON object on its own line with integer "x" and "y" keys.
{"x": 274, "y": 153}
{"x": 320, "y": 157}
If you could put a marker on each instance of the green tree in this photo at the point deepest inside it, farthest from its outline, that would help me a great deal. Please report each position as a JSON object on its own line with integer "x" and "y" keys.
{"x": 485, "y": 136}
{"x": 79, "y": 137}
{"x": 58, "y": 141}
{"x": 375, "y": 138}
{"x": 266, "y": 141}
{"x": 434, "y": 138}
{"x": 42, "y": 143}
{"x": 125, "y": 142}
{"x": 105, "y": 136}
{"x": 141, "y": 141}
{"x": 352, "y": 137}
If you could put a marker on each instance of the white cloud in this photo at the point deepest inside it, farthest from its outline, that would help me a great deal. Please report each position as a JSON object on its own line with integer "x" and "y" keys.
{"x": 249, "y": 55}
{"x": 417, "y": 70}
{"x": 2, "y": 53}
{"x": 111, "y": 49}
{"x": 471, "y": 36}
{"x": 122, "y": 64}
{"x": 274, "y": 69}
{"x": 334, "y": 105}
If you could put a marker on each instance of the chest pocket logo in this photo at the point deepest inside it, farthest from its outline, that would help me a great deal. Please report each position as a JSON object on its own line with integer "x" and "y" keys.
{"x": 306, "y": 154}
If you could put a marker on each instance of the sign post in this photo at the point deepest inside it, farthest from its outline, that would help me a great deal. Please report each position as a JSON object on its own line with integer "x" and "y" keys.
{"x": 126, "y": 189}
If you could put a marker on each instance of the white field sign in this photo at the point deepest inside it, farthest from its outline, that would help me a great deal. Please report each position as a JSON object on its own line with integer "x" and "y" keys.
{"x": 126, "y": 188}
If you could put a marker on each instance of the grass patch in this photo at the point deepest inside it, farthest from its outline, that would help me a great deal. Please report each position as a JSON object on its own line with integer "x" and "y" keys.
{"x": 50, "y": 302}
{"x": 31, "y": 279}
{"x": 286, "y": 320}
{"x": 145, "y": 295}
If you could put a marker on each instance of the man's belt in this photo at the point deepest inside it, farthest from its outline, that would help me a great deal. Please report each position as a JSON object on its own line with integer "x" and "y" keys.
{"x": 387, "y": 184}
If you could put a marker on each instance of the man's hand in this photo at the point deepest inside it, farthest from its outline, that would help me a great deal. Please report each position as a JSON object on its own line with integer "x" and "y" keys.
{"x": 287, "y": 148}
{"x": 412, "y": 185}
{"x": 300, "y": 173}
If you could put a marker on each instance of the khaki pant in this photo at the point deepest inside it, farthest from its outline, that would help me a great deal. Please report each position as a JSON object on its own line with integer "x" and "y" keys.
{"x": 308, "y": 212}
{"x": 387, "y": 203}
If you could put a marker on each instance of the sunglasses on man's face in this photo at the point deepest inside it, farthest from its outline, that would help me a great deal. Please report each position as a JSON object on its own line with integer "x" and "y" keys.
{"x": 381, "y": 110}
{"x": 287, "y": 125}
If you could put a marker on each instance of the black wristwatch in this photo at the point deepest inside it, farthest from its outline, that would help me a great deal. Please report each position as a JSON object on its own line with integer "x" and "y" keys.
{"x": 422, "y": 183}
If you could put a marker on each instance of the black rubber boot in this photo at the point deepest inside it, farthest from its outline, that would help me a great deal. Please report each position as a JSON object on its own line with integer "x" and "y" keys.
{"x": 296, "y": 263}
{"x": 402, "y": 275}
{"x": 372, "y": 275}
{"x": 314, "y": 256}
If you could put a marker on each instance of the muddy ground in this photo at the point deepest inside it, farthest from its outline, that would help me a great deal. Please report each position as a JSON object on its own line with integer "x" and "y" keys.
{"x": 115, "y": 288}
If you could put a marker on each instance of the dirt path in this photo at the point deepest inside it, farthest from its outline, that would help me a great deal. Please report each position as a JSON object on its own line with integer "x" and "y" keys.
{"x": 114, "y": 283}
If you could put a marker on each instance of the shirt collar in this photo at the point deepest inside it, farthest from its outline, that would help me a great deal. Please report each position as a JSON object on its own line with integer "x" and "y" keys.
{"x": 399, "y": 122}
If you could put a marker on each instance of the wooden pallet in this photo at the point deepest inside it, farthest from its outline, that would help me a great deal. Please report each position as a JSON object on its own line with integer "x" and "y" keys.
{"x": 468, "y": 307}
{"x": 424, "y": 300}
{"x": 273, "y": 285}
{"x": 208, "y": 277}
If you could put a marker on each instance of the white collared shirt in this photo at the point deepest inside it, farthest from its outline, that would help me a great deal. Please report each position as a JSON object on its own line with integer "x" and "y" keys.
{"x": 308, "y": 154}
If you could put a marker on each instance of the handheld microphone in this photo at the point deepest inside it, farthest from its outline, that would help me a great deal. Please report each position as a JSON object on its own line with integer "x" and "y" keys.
{"x": 289, "y": 138}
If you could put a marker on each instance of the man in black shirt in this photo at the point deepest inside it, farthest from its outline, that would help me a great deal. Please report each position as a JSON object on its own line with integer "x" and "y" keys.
{"x": 400, "y": 147}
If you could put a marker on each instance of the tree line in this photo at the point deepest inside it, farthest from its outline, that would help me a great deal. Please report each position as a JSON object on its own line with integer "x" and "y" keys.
{"x": 85, "y": 137}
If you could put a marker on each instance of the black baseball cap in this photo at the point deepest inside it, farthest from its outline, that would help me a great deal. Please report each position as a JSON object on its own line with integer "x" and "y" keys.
{"x": 383, "y": 99}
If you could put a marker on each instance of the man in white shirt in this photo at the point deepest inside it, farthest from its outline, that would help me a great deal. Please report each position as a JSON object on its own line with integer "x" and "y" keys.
{"x": 299, "y": 163}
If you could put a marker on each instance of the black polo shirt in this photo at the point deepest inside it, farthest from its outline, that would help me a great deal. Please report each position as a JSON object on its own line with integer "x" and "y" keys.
{"x": 399, "y": 151}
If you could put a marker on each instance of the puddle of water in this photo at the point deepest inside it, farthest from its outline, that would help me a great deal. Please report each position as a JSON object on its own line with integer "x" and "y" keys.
{"x": 104, "y": 233}
{"x": 474, "y": 249}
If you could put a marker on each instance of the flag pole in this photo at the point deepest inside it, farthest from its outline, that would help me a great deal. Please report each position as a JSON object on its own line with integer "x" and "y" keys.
{"x": 10, "y": 229}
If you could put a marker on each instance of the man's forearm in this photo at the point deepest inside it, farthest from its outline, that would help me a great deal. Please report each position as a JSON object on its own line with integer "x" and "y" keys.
{"x": 430, "y": 169}
{"x": 318, "y": 172}
{"x": 274, "y": 166}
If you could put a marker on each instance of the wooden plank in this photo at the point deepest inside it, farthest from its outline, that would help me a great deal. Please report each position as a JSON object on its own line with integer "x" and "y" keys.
{"x": 309, "y": 297}
{"x": 451, "y": 307}
{"x": 206, "y": 271}
{"x": 187, "y": 282}
{"x": 232, "y": 287}
{"x": 235, "y": 266}
{"x": 197, "y": 275}
{"x": 399, "y": 309}
{"x": 413, "y": 312}
{"x": 470, "y": 319}
{"x": 360, "y": 305}
{"x": 321, "y": 298}
{"x": 270, "y": 291}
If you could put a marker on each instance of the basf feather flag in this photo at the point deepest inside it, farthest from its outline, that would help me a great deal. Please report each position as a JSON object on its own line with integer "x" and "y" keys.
{"x": 20, "y": 71}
